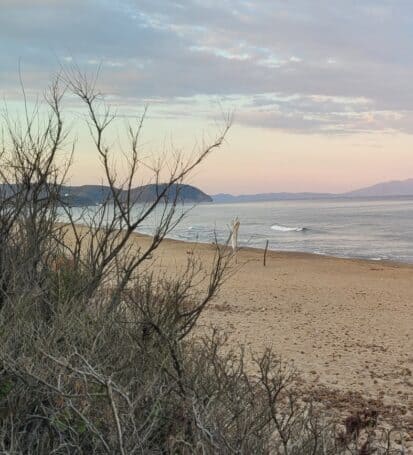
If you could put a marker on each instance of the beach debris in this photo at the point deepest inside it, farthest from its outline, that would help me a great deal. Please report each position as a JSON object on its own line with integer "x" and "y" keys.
{"x": 234, "y": 233}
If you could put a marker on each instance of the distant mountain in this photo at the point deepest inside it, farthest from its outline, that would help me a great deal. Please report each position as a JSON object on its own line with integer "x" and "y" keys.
{"x": 93, "y": 194}
{"x": 96, "y": 194}
{"x": 393, "y": 188}
{"x": 186, "y": 193}
{"x": 85, "y": 195}
{"x": 265, "y": 197}
{"x": 385, "y": 189}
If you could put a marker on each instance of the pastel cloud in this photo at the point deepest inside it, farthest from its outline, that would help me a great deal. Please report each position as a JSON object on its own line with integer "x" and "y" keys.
{"x": 304, "y": 66}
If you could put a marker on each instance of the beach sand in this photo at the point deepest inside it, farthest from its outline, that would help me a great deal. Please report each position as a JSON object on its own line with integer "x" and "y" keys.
{"x": 346, "y": 324}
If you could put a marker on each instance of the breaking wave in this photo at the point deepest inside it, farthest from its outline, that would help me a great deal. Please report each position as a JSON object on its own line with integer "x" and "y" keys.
{"x": 280, "y": 228}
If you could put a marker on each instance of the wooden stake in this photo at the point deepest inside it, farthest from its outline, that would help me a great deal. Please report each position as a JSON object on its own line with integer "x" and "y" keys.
{"x": 265, "y": 253}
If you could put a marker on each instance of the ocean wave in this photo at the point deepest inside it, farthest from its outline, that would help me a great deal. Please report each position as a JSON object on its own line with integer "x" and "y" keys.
{"x": 281, "y": 228}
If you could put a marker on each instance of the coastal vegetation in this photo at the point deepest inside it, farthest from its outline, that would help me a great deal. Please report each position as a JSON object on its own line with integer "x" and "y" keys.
{"x": 99, "y": 352}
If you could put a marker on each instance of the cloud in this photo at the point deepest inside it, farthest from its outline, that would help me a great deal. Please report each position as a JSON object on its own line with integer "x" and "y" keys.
{"x": 332, "y": 65}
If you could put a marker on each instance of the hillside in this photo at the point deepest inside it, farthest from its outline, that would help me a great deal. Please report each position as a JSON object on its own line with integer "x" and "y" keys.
{"x": 93, "y": 194}
{"x": 96, "y": 194}
{"x": 187, "y": 193}
{"x": 393, "y": 188}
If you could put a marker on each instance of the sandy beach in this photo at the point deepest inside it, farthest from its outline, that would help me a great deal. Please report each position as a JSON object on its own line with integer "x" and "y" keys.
{"x": 347, "y": 325}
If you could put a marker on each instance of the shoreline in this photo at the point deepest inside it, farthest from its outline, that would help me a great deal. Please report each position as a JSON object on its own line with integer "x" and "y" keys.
{"x": 389, "y": 262}
{"x": 280, "y": 253}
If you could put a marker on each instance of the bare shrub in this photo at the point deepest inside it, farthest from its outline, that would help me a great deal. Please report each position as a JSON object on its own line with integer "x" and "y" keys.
{"x": 98, "y": 353}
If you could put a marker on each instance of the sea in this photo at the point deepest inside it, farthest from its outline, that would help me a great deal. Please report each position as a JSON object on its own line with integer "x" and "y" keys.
{"x": 376, "y": 229}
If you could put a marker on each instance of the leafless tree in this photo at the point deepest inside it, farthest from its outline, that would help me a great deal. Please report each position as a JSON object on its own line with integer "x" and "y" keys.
{"x": 98, "y": 351}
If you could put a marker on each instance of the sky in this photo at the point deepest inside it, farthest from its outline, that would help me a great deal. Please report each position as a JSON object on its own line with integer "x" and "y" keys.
{"x": 321, "y": 91}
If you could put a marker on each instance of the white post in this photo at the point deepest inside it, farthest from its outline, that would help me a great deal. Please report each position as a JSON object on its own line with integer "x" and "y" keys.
{"x": 234, "y": 234}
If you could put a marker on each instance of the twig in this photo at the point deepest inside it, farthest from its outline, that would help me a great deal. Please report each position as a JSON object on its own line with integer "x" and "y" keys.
{"x": 115, "y": 416}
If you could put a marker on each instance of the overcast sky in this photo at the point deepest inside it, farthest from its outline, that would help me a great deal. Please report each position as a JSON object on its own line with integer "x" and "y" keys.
{"x": 322, "y": 90}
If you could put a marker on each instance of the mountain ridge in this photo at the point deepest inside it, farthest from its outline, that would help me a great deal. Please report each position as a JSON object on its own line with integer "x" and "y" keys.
{"x": 86, "y": 195}
{"x": 382, "y": 189}
{"x": 94, "y": 194}
{"x": 390, "y": 188}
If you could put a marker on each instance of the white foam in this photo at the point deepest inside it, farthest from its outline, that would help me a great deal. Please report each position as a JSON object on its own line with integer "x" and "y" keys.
{"x": 280, "y": 228}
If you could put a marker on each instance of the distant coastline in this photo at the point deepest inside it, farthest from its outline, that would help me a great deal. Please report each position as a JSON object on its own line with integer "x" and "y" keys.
{"x": 94, "y": 195}
{"x": 315, "y": 197}
{"x": 396, "y": 188}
